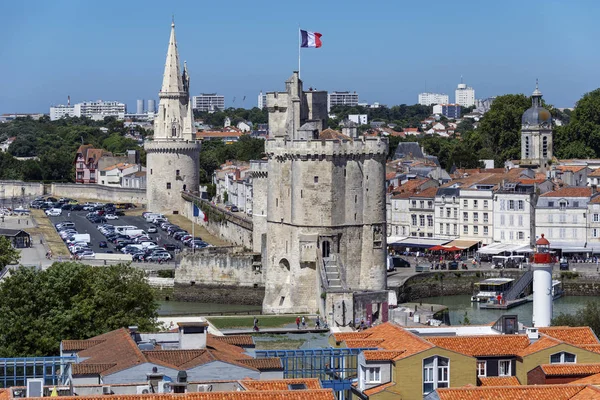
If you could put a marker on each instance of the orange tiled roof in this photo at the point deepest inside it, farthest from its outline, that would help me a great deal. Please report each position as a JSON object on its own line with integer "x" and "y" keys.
{"x": 382, "y": 355}
{"x": 554, "y": 392}
{"x": 574, "y": 335}
{"x": 390, "y": 175}
{"x": 589, "y": 393}
{"x": 570, "y": 192}
{"x": 594, "y": 173}
{"x": 76, "y": 345}
{"x": 318, "y": 394}
{"x": 428, "y": 193}
{"x": 377, "y": 389}
{"x": 570, "y": 369}
{"x": 590, "y": 347}
{"x": 90, "y": 369}
{"x": 279, "y": 384}
{"x": 330, "y": 134}
{"x": 358, "y": 343}
{"x": 119, "y": 166}
{"x": 544, "y": 342}
{"x": 217, "y": 134}
{"x": 572, "y": 168}
{"x": 589, "y": 380}
{"x": 488, "y": 345}
{"x": 236, "y": 340}
{"x": 263, "y": 364}
{"x": 499, "y": 381}
{"x": 342, "y": 336}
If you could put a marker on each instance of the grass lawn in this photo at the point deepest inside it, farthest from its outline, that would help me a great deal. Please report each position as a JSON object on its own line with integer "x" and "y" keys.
{"x": 264, "y": 321}
{"x": 201, "y": 231}
{"x": 48, "y": 232}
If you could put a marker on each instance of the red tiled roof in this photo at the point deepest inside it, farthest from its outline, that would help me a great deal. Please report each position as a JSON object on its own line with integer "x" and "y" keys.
{"x": 488, "y": 345}
{"x": 544, "y": 342}
{"x": 594, "y": 173}
{"x": 318, "y": 394}
{"x": 589, "y": 393}
{"x": 342, "y": 336}
{"x": 499, "y": 381}
{"x": 574, "y": 335}
{"x": 570, "y": 369}
{"x": 76, "y": 345}
{"x": 382, "y": 355}
{"x": 377, "y": 389}
{"x": 570, "y": 192}
{"x": 550, "y": 392}
{"x": 263, "y": 364}
{"x": 572, "y": 168}
{"x": 589, "y": 380}
{"x": 590, "y": 347}
{"x": 330, "y": 134}
{"x": 90, "y": 369}
{"x": 427, "y": 193}
{"x": 236, "y": 340}
{"x": 279, "y": 384}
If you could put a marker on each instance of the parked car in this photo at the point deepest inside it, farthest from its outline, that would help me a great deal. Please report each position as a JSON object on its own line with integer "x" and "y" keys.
{"x": 159, "y": 257}
{"x": 172, "y": 247}
{"x": 86, "y": 255}
{"x": 102, "y": 244}
{"x": 111, "y": 216}
{"x": 152, "y": 229}
{"x": 54, "y": 212}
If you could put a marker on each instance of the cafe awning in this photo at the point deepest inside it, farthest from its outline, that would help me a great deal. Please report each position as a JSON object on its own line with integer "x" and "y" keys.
{"x": 497, "y": 248}
{"x": 462, "y": 244}
{"x": 417, "y": 242}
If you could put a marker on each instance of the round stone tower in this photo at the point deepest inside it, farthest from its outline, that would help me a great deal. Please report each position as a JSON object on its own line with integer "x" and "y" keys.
{"x": 173, "y": 154}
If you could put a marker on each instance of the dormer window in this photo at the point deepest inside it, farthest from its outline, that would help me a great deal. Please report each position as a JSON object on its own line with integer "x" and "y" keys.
{"x": 563, "y": 358}
{"x": 562, "y": 205}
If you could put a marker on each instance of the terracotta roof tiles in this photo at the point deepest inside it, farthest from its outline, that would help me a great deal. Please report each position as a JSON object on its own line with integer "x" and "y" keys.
{"x": 263, "y": 364}
{"x": 341, "y": 336}
{"x": 544, "y": 342}
{"x": 499, "y": 381}
{"x": 279, "y": 384}
{"x": 570, "y": 369}
{"x": 571, "y": 168}
{"x": 594, "y": 173}
{"x": 589, "y": 380}
{"x": 330, "y": 134}
{"x": 90, "y": 369}
{"x": 574, "y": 335}
{"x": 76, "y": 345}
{"x": 570, "y": 192}
{"x": 358, "y": 343}
{"x": 236, "y": 340}
{"x": 488, "y": 345}
{"x": 554, "y": 392}
{"x": 382, "y": 355}
{"x": 318, "y": 394}
{"x": 589, "y": 393}
{"x": 377, "y": 389}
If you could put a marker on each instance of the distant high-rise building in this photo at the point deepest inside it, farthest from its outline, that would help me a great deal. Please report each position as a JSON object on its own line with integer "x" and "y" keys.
{"x": 151, "y": 106}
{"x": 464, "y": 95}
{"x": 61, "y": 111}
{"x": 341, "y": 99}
{"x": 262, "y": 100}
{"x": 100, "y": 109}
{"x": 140, "y": 107}
{"x": 427, "y": 99}
{"x": 208, "y": 102}
{"x": 451, "y": 111}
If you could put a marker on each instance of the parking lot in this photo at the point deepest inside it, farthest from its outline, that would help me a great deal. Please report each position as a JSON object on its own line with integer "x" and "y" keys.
{"x": 82, "y": 225}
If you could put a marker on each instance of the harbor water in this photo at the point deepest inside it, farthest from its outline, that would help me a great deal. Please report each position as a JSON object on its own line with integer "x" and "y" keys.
{"x": 458, "y": 305}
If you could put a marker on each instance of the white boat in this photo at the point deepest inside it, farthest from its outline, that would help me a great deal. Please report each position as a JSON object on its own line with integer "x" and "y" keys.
{"x": 491, "y": 288}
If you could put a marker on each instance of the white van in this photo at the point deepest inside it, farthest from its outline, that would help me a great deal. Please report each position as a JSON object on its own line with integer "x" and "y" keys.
{"x": 123, "y": 228}
{"x": 152, "y": 216}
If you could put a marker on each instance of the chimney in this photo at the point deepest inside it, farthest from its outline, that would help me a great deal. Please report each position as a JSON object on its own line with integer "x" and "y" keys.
{"x": 133, "y": 331}
{"x": 192, "y": 335}
{"x": 533, "y": 334}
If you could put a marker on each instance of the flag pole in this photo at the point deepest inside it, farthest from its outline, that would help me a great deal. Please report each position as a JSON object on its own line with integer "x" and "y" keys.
{"x": 299, "y": 49}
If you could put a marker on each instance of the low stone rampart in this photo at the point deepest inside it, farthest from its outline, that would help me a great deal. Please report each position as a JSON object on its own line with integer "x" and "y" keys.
{"x": 99, "y": 192}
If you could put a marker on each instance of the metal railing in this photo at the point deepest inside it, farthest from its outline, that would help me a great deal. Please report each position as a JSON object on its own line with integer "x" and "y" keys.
{"x": 519, "y": 286}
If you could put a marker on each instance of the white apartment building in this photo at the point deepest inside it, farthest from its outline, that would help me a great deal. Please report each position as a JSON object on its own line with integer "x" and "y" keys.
{"x": 514, "y": 214}
{"x": 341, "y": 99}
{"x": 208, "y": 102}
{"x": 427, "y": 99}
{"x": 262, "y": 100}
{"x": 100, "y": 109}
{"x": 61, "y": 111}
{"x": 446, "y": 215}
{"x": 593, "y": 218}
{"x": 464, "y": 95}
{"x": 476, "y": 214}
{"x": 113, "y": 175}
{"x": 422, "y": 213}
{"x": 562, "y": 216}
{"x": 360, "y": 119}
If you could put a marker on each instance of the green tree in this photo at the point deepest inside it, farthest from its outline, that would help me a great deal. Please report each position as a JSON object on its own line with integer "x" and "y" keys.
{"x": 8, "y": 254}
{"x": 587, "y": 316}
{"x": 38, "y": 309}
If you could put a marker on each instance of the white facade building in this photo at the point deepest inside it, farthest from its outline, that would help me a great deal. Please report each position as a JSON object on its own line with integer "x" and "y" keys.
{"x": 464, "y": 95}
{"x": 113, "y": 175}
{"x": 341, "y": 99}
{"x": 447, "y": 208}
{"x": 61, "y": 111}
{"x": 514, "y": 215}
{"x": 360, "y": 119}
{"x": 262, "y": 100}
{"x": 208, "y": 102}
{"x": 561, "y": 216}
{"x": 476, "y": 214}
{"x": 427, "y": 99}
{"x": 100, "y": 109}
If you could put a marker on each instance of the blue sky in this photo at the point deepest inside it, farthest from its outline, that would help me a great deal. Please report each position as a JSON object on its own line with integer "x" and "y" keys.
{"x": 388, "y": 51}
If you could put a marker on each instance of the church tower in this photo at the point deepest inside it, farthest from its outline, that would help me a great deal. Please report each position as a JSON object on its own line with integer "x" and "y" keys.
{"x": 536, "y": 134}
{"x": 172, "y": 156}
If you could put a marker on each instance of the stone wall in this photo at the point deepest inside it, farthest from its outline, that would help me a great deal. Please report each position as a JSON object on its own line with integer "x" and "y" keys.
{"x": 220, "y": 275}
{"x": 451, "y": 283}
{"x": 98, "y": 192}
{"x": 225, "y": 225}
{"x": 10, "y": 189}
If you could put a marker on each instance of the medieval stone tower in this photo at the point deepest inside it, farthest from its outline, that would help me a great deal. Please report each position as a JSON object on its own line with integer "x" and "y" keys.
{"x": 172, "y": 157}
{"x": 536, "y": 133}
{"x": 325, "y": 206}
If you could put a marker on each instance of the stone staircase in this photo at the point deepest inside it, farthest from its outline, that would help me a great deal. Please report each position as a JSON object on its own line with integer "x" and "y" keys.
{"x": 332, "y": 272}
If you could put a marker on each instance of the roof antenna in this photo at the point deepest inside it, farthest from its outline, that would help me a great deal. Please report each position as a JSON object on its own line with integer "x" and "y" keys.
{"x": 173, "y": 20}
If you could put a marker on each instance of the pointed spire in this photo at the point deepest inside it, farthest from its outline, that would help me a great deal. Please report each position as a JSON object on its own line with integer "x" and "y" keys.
{"x": 172, "y": 82}
{"x": 536, "y": 97}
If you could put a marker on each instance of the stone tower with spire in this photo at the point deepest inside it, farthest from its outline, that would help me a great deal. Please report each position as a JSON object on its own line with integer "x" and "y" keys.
{"x": 536, "y": 133}
{"x": 173, "y": 154}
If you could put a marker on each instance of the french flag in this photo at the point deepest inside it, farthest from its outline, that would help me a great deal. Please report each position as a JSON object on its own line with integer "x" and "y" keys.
{"x": 310, "y": 39}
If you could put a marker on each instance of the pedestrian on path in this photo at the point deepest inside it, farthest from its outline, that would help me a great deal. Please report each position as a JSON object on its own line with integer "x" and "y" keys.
{"x": 298, "y": 322}
{"x": 255, "y": 327}
{"x": 318, "y": 323}
{"x": 303, "y": 323}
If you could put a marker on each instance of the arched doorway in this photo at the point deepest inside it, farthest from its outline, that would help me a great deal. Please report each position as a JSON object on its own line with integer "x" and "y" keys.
{"x": 326, "y": 248}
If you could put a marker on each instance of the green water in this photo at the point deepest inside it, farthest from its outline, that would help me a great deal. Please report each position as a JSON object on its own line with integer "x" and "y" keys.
{"x": 457, "y": 305}
{"x": 188, "y": 308}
